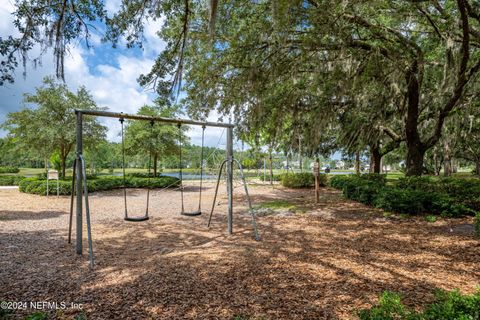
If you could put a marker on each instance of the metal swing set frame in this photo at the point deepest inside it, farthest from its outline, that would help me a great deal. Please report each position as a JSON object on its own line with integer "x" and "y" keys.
{"x": 79, "y": 180}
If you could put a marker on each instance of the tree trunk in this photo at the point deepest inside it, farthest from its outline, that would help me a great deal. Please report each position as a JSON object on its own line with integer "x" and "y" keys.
{"x": 477, "y": 166}
{"x": 415, "y": 157}
{"x": 271, "y": 167}
{"x": 357, "y": 162}
{"x": 415, "y": 147}
{"x": 436, "y": 169}
{"x": 63, "y": 161}
{"x": 447, "y": 161}
{"x": 375, "y": 160}
{"x": 155, "y": 160}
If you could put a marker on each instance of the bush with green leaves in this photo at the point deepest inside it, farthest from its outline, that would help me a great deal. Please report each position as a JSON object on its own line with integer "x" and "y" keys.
{"x": 401, "y": 201}
{"x": 10, "y": 180}
{"x": 142, "y": 174}
{"x": 363, "y": 188}
{"x": 450, "y": 197}
{"x": 374, "y": 177}
{"x": 464, "y": 193}
{"x": 101, "y": 183}
{"x": 302, "y": 180}
{"x": 447, "y": 305}
{"x": 274, "y": 177}
{"x": 339, "y": 181}
{"x": 9, "y": 170}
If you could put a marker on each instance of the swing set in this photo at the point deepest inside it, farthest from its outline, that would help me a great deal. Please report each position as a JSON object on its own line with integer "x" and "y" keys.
{"x": 79, "y": 181}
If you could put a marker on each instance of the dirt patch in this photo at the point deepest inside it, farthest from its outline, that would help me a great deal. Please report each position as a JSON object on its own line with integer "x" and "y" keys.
{"x": 324, "y": 263}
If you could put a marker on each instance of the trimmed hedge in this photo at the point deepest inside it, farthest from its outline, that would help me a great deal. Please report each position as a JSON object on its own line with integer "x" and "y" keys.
{"x": 9, "y": 170}
{"x": 301, "y": 180}
{"x": 10, "y": 180}
{"x": 142, "y": 174}
{"x": 275, "y": 177}
{"x": 447, "y": 305}
{"x": 101, "y": 183}
{"x": 413, "y": 195}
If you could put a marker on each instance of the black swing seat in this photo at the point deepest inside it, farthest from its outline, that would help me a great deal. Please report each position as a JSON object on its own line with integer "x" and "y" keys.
{"x": 136, "y": 219}
{"x": 191, "y": 214}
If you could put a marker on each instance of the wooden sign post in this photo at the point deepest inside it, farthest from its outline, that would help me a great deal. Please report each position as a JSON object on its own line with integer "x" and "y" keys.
{"x": 52, "y": 175}
{"x": 316, "y": 173}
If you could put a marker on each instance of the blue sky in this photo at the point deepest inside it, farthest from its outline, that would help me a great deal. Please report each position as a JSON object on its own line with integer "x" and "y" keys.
{"x": 108, "y": 73}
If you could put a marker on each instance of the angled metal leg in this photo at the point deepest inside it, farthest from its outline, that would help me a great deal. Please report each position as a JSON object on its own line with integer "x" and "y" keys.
{"x": 216, "y": 192}
{"x": 252, "y": 212}
{"x": 87, "y": 213}
{"x": 71, "y": 202}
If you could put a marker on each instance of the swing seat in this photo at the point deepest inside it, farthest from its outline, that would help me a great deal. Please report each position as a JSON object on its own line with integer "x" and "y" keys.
{"x": 136, "y": 219}
{"x": 191, "y": 214}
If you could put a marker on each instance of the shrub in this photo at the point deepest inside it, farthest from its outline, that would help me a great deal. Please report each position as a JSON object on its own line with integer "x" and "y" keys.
{"x": 142, "y": 174}
{"x": 39, "y": 186}
{"x": 275, "y": 177}
{"x": 415, "y": 183}
{"x": 301, "y": 180}
{"x": 447, "y": 305}
{"x": 450, "y": 197}
{"x": 9, "y": 170}
{"x": 454, "y": 305}
{"x": 375, "y": 177}
{"x": 10, "y": 180}
{"x": 339, "y": 181}
{"x": 401, "y": 201}
{"x": 362, "y": 190}
{"x": 389, "y": 307}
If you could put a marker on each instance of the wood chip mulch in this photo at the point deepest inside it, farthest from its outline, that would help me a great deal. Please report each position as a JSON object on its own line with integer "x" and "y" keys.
{"x": 325, "y": 262}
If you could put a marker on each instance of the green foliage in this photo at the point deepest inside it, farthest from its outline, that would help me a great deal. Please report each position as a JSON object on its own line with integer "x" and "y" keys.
{"x": 301, "y": 180}
{"x": 157, "y": 139}
{"x": 5, "y": 313}
{"x": 9, "y": 170}
{"x": 401, "y": 201}
{"x": 389, "y": 307}
{"x": 56, "y": 161}
{"x": 37, "y": 316}
{"x": 375, "y": 177}
{"x": 51, "y": 126}
{"x": 431, "y": 218}
{"x": 10, "y": 180}
{"x": 338, "y": 181}
{"x": 274, "y": 177}
{"x": 454, "y": 305}
{"x": 142, "y": 174}
{"x": 447, "y": 305}
{"x": 101, "y": 183}
{"x": 412, "y": 195}
{"x": 362, "y": 190}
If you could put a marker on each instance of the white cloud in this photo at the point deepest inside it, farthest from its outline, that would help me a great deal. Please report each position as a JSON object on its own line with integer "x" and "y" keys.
{"x": 112, "y": 85}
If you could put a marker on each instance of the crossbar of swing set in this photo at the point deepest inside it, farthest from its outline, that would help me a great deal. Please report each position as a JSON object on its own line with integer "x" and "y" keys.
{"x": 121, "y": 115}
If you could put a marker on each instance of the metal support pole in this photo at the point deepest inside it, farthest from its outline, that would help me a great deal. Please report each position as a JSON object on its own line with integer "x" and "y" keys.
{"x": 72, "y": 201}
{"x": 230, "y": 179}
{"x": 79, "y": 190}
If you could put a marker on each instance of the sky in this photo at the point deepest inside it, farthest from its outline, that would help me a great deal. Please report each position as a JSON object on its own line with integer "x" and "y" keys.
{"x": 108, "y": 73}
